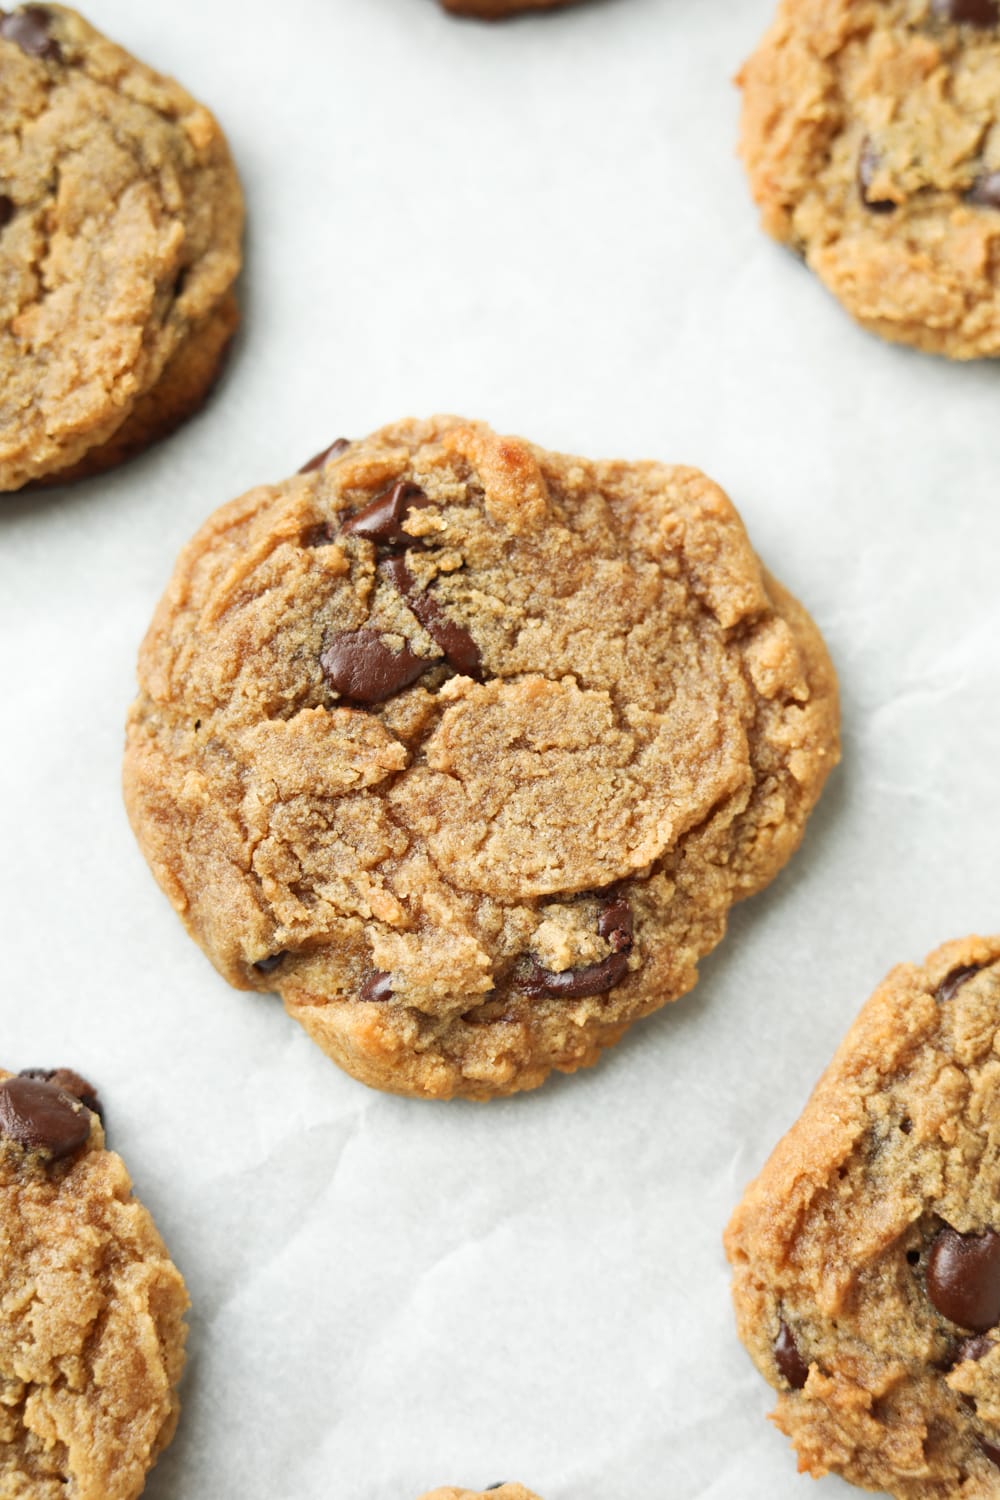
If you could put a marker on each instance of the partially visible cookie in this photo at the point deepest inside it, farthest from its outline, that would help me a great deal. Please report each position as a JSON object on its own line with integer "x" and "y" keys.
{"x": 871, "y": 134}
{"x": 495, "y": 10}
{"x": 498, "y": 1491}
{"x": 467, "y": 748}
{"x": 866, "y": 1256}
{"x": 120, "y": 225}
{"x": 91, "y": 1308}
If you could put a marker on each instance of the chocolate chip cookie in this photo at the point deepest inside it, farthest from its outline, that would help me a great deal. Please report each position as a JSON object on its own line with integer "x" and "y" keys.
{"x": 871, "y": 133}
{"x": 91, "y": 1308}
{"x": 120, "y": 225}
{"x": 498, "y": 1491}
{"x": 495, "y": 10}
{"x": 467, "y": 748}
{"x": 866, "y": 1255}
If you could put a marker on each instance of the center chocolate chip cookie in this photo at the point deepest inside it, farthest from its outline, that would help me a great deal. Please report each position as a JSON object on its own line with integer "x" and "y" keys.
{"x": 467, "y": 748}
{"x": 91, "y": 1308}
{"x": 866, "y": 1255}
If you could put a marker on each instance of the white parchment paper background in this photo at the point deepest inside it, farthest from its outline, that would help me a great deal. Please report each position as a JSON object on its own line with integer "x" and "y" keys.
{"x": 541, "y": 224}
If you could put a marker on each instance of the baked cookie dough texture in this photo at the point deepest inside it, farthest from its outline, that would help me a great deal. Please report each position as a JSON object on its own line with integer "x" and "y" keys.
{"x": 120, "y": 225}
{"x": 496, "y": 1491}
{"x": 871, "y": 134}
{"x": 467, "y": 748}
{"x": 91, "y": 1308}
{"x": 866, "y": 1255}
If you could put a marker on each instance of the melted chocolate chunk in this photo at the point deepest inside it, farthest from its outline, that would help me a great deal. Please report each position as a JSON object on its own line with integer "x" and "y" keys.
{"x": 364, "y": 668}
{"x": 615, "y": 925}
{"x": 70, "y": 1083}
{"x": 575, "y": 984}
{"x": 377, "y": 987}
{"x": 954, "y": 981}
{"x": 42, "y": 1117}
{"x": 868, "y": 165}
{"x": 976, "y": 1348}
{"x": 992, "y": 1452}
{"x": 968, "y": 12}
{"x": 8, "y": 209}
{"x": 460, "y": 650}
{"x": 320, "y": 460}
{"x": 963, "y": 1278}
{"x": 381, "y": 520}
{"x": 790, "y": 1363}
{"x": 270, "y": 963}
{"x": 29, "y": 28}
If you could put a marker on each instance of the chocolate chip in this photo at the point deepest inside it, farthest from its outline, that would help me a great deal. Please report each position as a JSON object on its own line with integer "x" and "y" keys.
{"x": 42, "y": 1117}
{"x": 322, "y": 459}
{"x": 364, "y": 668}
{"x": 963, "y": 1278}
{"x": 460, "y": 650}
{"x": 955, "y": 980}
{"x": 615, "y": 925}
{"x": 70, "y": 1083}
{"x": 377, "y": 987}
{"x": 575, "y": 984}
{"x": 968, "y": 12}
{"x": 29, "y": 28}
{"x": 992, "y": 1453}
{"x": 8, "y": 209}
{"x": 381, "y": 520}
{"x": 976, "y": 1348}
{"x": 985, "y": 191}
{"x": 790, "y": 1363}
{"x": 270, "y": 963}
{"x": 868, "y": 165}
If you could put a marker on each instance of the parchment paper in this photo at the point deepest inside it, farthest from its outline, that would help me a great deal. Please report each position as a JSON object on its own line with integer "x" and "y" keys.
{"x": 542, "y": 224}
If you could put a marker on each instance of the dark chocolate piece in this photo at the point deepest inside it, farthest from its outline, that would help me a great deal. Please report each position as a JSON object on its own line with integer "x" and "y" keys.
{"x": 42, "y": 1117}
{"x": 377, "y": 987}
{"x": 575, "y": 984}
{"x": 963, "y": 1278}
{"x": 29, "y": 28}
{"x": 615, "y": 925}
{"x": 790, "y": 1363}
{"x": 70, "y": 1083}
{"x": 460, "y": 650}
{"x": 954, "y": 981}
{"x": 985, "y": 191}
{"x": 270, "y": 963}
{"x": 8, "y": 209}
{"x": 320, "y": 460}
{"x": 868, "y": 165}
{"x": 364, "y": 668}
{"x": 968, "y": 12}
{"x": 381, "y": 520}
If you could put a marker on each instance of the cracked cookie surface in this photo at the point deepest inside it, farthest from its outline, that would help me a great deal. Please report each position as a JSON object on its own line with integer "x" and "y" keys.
{"x": 871, "y": 134}
{"x": 91, "y": 1308}
{"x": 120, "y": 225}
{"x": 467, "y": 748}
{"x": 866, "y": 1255}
